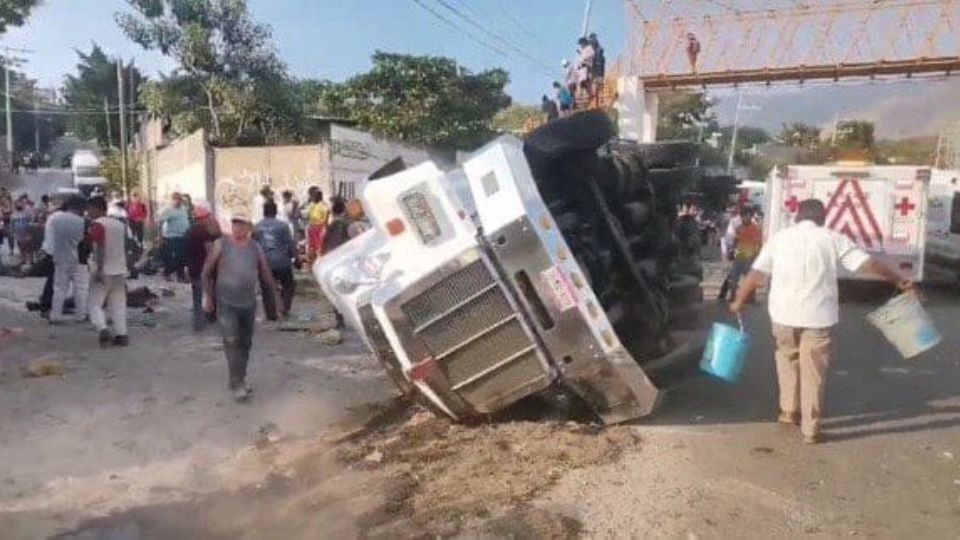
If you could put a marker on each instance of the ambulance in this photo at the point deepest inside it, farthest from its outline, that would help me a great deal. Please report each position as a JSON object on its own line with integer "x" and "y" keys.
{"x": 882, "y": 208}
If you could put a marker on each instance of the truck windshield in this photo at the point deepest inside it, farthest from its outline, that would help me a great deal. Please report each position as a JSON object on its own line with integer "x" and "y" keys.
{"x": 86, "y": 171}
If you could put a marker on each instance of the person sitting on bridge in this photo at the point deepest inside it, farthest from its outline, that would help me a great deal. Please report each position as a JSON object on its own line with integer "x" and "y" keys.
{"x": 802, "y": 262}
{"x": 564, "y": 99}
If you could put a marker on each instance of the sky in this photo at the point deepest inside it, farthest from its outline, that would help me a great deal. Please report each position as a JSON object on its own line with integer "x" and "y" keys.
{"x": 334, "y": 39}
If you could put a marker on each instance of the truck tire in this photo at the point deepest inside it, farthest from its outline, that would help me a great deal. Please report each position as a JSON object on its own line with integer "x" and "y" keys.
{"x": 583, "y": 132}
{"x": 669, "y": 154}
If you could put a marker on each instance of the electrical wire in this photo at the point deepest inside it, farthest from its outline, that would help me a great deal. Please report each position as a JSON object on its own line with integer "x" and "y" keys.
{"x": 497, "y": 37}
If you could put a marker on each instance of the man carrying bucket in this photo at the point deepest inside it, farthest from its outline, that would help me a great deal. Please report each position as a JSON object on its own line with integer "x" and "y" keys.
{"x": 802, "y": 262}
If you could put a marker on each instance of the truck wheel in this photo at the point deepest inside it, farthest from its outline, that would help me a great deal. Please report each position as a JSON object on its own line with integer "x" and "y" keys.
{"x": 669, "y": 154}
{"x": 583, "y": 132}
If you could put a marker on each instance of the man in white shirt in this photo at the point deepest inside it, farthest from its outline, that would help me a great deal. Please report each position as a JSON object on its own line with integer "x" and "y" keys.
{"x": 109, "y": 236}
{"x": 803, "y": 263}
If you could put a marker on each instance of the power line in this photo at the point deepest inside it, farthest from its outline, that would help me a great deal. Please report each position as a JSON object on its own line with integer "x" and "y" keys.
{"x": 497, "y": 37}
{"x": 464, "y": 32}
{"x": 508, "y": 16}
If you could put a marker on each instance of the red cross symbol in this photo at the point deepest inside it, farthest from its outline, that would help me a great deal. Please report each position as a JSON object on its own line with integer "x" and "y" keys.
{"x": 905, "y": 206}
{"x": 793, "y": 204}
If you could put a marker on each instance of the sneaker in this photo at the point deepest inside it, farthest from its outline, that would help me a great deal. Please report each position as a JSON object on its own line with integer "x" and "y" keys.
{"x": 121, "y": 341}
{"x": 105, "y": 338}
{"x": 789, "y": 418}
{"x": 816, "y": 438}
{"x": 241, "y": 393}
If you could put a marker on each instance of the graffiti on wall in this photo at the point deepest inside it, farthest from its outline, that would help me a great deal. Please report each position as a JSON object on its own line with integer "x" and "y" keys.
{"x": 237, "y": 193}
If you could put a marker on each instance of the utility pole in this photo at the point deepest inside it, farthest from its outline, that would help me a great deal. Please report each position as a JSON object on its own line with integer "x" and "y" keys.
{"x": 36, "y": 124}
{"x": 836, "y": 126}
{"x": 6, "y": 91}
{"x": 733, "y": 139}
{"x": 586, "y": 18}
{"x": 106, "y": 114}
{"x": 123, "y": 129}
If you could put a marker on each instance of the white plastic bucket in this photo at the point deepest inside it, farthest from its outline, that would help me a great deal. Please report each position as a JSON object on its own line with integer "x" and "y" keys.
{"x": 906, "y": 325}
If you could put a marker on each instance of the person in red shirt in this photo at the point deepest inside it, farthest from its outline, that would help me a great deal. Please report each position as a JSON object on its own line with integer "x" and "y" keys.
{"x": 137, "y": 215}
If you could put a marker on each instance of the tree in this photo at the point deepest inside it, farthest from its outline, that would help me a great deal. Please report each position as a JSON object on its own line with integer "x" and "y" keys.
{"x": 424, "y": 99}
{"x": 685, "y": 116}
{"x": 94, "y": 82}
{"x": 33, "y": 114}
{"x": 518, "y": 118}
{"x": 856, "y": 136}
{"x": 111, "y": 168}
{"x": 800, "y": 135}
{"x": 227, "y": 67}
{"x": 15, "y": 12}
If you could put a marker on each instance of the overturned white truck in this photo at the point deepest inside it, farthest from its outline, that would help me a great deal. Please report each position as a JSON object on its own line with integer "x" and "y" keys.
{"x": 568, "y": 268}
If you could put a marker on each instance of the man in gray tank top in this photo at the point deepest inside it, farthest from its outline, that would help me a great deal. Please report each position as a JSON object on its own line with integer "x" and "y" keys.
{"x": 230, "y": 276}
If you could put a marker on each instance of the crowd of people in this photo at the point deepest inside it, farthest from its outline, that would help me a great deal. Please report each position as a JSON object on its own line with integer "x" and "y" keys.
{"x": 88, "y": 248}
{"x": 584, "y": 80}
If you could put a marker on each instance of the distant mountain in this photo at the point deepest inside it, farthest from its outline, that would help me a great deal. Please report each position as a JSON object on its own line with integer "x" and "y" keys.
{"x": 899, "y": 109}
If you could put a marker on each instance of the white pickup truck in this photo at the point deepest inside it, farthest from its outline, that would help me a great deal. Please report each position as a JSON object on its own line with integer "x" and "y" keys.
{"x": 85, "y": 166}
{"x": 573, "y": 272}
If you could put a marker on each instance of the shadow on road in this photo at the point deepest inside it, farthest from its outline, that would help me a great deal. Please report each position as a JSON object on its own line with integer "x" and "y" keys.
{"x": 871, "y": 390}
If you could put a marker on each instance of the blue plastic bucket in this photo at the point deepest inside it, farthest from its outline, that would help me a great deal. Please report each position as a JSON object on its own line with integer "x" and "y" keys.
{"x": 906, "y": 325}
{"x": 726, "y": 352}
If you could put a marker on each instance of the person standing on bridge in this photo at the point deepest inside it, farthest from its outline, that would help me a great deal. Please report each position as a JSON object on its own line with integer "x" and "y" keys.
{"x": 802, "y": 263}
{"x": 693, "y": 50}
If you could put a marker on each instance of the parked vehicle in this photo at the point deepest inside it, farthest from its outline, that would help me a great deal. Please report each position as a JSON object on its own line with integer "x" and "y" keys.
{"x": 943, "y": 227}
{"x": 881, "y": 208}
{"x": 85, "y": 166}
{"x": 575, "y": 272}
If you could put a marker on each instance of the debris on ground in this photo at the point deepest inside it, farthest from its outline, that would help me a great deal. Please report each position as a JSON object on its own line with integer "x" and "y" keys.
{"x": 44, "y": 367}
{"x": 8, "y": 332}
{"x": 330, "y": 337}
{"x": 141, "y": 297}
{"x": 167, "y": 293}
{"x": 312, "y": 323}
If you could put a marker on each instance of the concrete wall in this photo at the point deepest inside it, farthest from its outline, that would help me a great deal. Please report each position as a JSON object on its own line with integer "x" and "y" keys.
{"x": 183, "y": 166}
{"x": 239, "y": 173}
{"x": 355, "y": 154}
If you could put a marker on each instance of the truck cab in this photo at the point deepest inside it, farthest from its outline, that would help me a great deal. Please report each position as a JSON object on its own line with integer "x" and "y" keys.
{"x": 544, "y": 278}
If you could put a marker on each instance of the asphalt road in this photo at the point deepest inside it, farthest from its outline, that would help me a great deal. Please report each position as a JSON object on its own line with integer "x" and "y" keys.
{"x": 44, "y": 181}
{"x": 716, "y": 465}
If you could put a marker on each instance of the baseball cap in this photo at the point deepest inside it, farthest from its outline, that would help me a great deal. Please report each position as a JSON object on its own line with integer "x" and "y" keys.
{"x": 201, "y": 212}
{"x": 241, "y": 216}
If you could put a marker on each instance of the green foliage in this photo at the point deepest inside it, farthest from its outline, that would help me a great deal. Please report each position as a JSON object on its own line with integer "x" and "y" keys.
{"x": 230, "y": 81}
{"x": 15, "y": 12}
{"x": 800, "y": 135}
{"x": 424, "y": 99}
{"x": 685, "y": 116}
{"x": 856, "y": 135}
{"x": 111, "y": 169}
{"x": 96, "y": 79}
{"x": 911, "y": 151}
{"x": 26, "y": 98}
{"x": 516, "y": 118}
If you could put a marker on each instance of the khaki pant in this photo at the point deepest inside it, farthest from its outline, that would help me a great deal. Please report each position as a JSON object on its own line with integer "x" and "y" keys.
{"x": 803, "y": 358}
{"x": 113, "y": 291}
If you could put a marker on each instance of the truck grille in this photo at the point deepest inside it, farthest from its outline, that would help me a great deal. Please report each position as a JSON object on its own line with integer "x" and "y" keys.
{"x": 466, "y": 323}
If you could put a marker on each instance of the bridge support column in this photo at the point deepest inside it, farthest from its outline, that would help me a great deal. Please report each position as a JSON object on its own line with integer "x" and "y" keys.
{"x": 637, "y": 110}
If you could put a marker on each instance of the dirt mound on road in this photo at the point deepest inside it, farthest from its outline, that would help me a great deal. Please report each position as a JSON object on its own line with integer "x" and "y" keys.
{"x": 405, "y": 474}
{"x": 455, "y": 471}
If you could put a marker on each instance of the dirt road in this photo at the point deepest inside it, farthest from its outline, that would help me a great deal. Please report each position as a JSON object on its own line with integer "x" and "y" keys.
{"x": 152, "y": 422}
{"x": 714, "y": 465}
{"x": 144, "y": 443}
